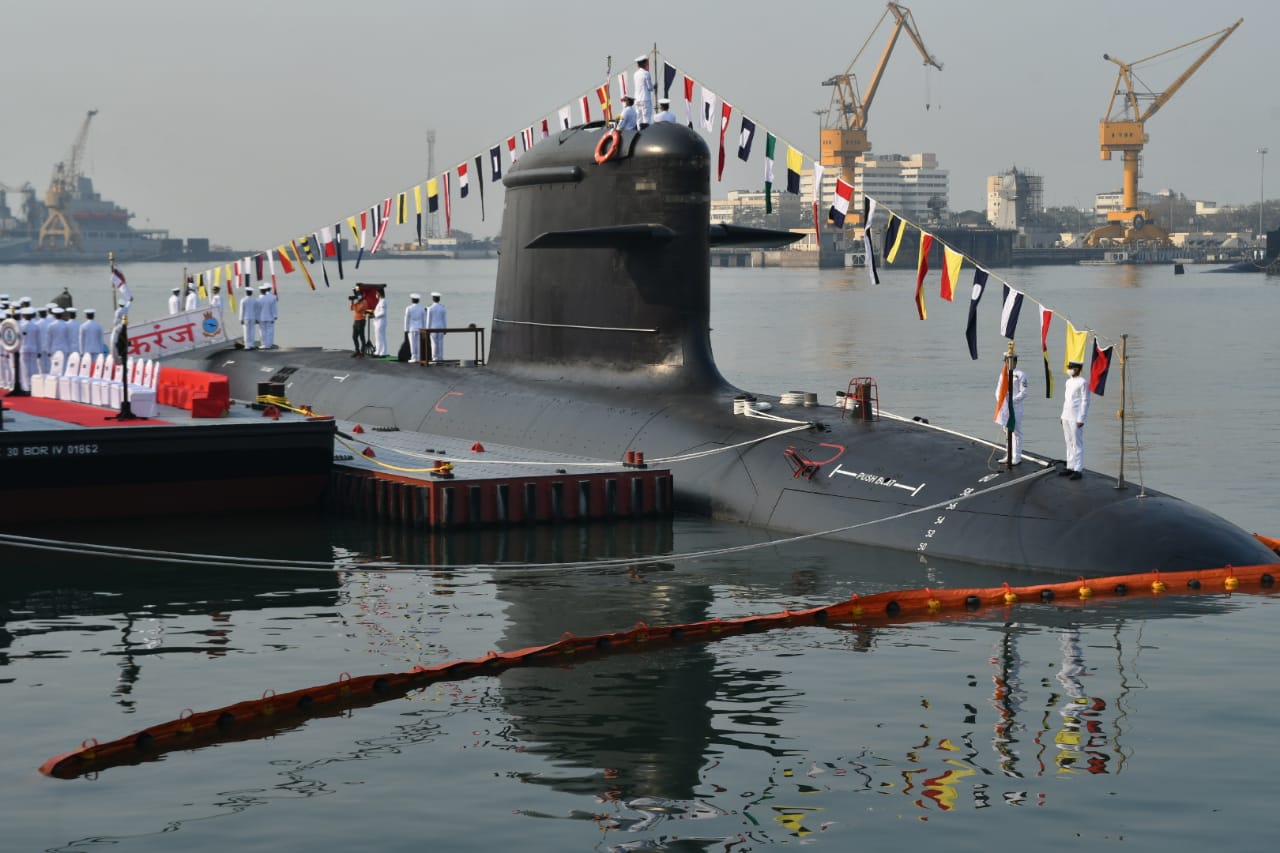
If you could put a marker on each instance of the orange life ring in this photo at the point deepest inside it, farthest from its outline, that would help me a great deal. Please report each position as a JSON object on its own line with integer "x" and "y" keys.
{"x": 607, "y": 147}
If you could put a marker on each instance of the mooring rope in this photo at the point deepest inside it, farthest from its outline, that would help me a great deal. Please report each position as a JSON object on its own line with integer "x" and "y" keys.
{"x": 224, "y": 560}
{"x": 599, "y": 463}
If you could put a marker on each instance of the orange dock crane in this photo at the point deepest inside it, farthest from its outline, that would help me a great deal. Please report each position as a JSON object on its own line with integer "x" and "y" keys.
{"x": 1124, "y": 130}
{"x": 60, "y": 231}
{"x": 843, "y": 135}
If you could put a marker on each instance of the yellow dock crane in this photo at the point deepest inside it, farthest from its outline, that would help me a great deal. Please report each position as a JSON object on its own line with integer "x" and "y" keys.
{"x": 1124, "y": 130}
{"x": 843, "y": 134}
{"x": 59, "y": 231}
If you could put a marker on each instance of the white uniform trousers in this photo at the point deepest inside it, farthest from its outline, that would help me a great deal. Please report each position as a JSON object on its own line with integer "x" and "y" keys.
{"x": 1017, "y": 434}
{"x": 1074, "y": 437}
{"x": 30, "y": 366}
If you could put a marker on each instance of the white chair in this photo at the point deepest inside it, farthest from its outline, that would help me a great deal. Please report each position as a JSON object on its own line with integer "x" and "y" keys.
{"x": 46, "y": 384}
{"x": 115, "y": 388}
{"x": 67, "y": 379}
{"x": 142, "y": 396}
{"x": 100, "y": 385}
{"x": 90, "y": 366}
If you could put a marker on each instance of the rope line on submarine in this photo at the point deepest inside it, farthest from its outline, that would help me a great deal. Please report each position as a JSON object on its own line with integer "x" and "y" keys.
{"x": 276, "y": 713}
{"x": 799, "y": 426}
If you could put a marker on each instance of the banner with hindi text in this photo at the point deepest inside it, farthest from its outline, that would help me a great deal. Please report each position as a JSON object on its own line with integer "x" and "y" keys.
{"x": 181, "y": 332}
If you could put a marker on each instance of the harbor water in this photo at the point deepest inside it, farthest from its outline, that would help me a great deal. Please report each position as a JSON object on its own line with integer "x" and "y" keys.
{"x": 1140, "y": 723}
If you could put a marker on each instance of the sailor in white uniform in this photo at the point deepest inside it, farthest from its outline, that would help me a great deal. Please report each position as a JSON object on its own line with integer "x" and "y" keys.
{"x": 175, "y": 301}
{"x": 193, "y": 299}
{"x": 415, "y": 320}
{"x": 43, "y": 321}
{"x": 437, "y": 319}
{"x": 249, "y": 319}
{"x": 215, "y": 298}
{"x": 1075, "y": 409}
{"x": 72, "y": 330}
{"x": 6, "y": 357}
{"x": 628, "y": 119}
{"x": 380, "y": 326}
{"x": 664, "y": 111}
{"x": 29, "y": 351}
{"x": 56, "y": 337}
{"x": 91, "y": 340}
{"x": 267, "y": 315}
{"x": 1017, "y": 394}
{"x": 643, "y": 92}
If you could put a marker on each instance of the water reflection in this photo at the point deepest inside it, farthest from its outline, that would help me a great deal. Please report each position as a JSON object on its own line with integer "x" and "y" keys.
{"x": 755, "y": 739}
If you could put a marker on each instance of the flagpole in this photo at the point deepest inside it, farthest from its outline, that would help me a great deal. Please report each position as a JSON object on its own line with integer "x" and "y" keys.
{"x": 1124, "y": 343}
{"x": 111, "y": 271}
{"x": 607, "y": 106}
{"x": 121, "y": 346}
{"x": 1009, "y": 423}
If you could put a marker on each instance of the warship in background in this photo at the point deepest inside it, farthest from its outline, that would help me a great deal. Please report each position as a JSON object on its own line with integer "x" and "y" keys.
{"x": 74, "y": 224}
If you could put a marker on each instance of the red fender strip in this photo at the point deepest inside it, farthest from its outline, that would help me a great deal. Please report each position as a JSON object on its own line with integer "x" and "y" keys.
{"x": 276, "y": 713}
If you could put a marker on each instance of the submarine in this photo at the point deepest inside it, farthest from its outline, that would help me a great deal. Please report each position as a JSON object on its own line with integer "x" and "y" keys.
{"x": 600, "y": 347}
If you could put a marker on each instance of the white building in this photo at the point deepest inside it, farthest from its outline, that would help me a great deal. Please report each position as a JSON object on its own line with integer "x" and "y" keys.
{"x": 907, "y": 184}
{"x": 904, "y": 184}
{"x": 1104, "y": 203}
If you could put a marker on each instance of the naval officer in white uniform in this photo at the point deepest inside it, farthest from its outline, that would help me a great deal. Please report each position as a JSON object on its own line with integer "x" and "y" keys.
{"x": 267, "y": 315}
{"x": 29, "y": 350}
{"x": 643, "y": 92}
{"x": 437, "y": 319}
{"x": 1017, "y": 394}
{"x": 380, "y": 326}
{"x": 1075, "y": 409}
{"x": 415, "y": 320}
{"x": 91, "y": 340}
{"x": 249, "y": 318}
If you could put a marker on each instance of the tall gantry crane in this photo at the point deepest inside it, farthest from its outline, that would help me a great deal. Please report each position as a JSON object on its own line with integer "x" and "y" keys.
{"x": 60, "y": 231}
{"x": 844, "y": 131}
{"x": 1124, "y": 130}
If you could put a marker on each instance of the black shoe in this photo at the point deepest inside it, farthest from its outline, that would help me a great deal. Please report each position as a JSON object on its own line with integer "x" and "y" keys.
{"x": 1076, "y": 475}
{"x": 1065, "y": 472}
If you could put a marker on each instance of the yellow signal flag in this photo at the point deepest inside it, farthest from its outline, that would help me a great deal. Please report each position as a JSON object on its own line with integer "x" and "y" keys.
{"x": 1076, "y": 342}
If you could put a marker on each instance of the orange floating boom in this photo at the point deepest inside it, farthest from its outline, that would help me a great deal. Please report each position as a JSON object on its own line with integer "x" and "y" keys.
{"x": 275, "y": 713}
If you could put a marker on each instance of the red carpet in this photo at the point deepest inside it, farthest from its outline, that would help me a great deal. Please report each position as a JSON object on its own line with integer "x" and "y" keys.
{"x": 72, "y": 413}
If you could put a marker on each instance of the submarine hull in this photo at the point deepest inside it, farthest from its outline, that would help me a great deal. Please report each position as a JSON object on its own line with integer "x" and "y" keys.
{"x": 885, "y": 482}
{"x": 601, "y": 345}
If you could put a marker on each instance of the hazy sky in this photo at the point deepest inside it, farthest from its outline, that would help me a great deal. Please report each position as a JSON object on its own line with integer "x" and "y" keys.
{"x": 253, "y": 121}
